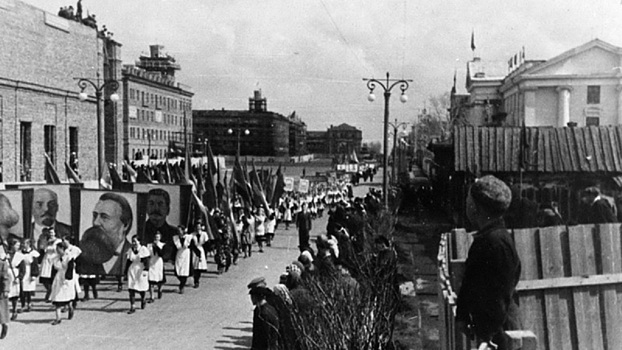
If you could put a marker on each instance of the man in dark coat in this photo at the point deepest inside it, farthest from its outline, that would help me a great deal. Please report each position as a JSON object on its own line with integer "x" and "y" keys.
{"x": 485, "y": 303}
{"x": 600, "y": 210}
{"x": 265, "y": 321}
{"x": 303, "y": 223}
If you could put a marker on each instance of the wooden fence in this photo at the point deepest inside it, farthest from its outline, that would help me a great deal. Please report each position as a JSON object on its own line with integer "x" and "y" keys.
{"x": 570, "y": 290}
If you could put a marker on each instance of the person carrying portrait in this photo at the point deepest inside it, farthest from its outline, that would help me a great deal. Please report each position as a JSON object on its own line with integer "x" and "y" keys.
{"x": 16, "y": 273}
{"x": 47, "y": 256}
{"x": 486, "y": 306}
{"x": 137, "y": 272}
{"x": 182, "y": 242}
{"x": 31, "y": 272}
{"x": 65, "y": 285}
{"x": 157, "y": 278}
{"x": 199, "y": 259}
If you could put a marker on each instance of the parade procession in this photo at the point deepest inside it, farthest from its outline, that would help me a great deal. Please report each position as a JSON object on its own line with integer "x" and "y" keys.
{"x": 310, "y": 175}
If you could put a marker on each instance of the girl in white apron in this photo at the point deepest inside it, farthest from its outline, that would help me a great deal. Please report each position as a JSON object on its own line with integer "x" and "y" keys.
{"x": 199, "y": 261}
{"x": 31, "y": 272}
{"x": 65, "y": 284}
{"x": 182, "y": 259}
{"x": 137, "y": 273}
{"x": 156, "y": 266}
{"x": 46, "y": 277}
{"x": 16, "y": 272}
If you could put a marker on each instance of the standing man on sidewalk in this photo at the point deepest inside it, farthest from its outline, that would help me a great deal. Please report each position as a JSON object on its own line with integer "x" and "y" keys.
{"x": 303, "y": 223}
{"x": 485, "y": 303}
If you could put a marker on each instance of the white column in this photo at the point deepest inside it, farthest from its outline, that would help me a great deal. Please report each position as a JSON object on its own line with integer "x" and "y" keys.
{"x": 619, "y": 116}
{"x": 563, "y": 105}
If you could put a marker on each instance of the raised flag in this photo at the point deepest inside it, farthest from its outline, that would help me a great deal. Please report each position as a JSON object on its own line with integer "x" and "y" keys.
{"x": 51, "y": 176}
{"x": 71, "y": 175}
{"x": 473, "y": 40}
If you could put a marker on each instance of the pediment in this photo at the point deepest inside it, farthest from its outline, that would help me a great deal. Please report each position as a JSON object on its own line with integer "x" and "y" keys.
{"x": 595, "y": 57}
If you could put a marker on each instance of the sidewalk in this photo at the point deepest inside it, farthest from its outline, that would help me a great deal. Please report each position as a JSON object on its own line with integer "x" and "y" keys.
{"x": 218, "y": 315}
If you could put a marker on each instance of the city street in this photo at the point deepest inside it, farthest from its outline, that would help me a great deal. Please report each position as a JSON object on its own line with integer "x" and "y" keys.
{"x": 218, "y": 315}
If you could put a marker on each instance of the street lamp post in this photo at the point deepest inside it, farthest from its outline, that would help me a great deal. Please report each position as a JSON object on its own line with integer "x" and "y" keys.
{"x": 113, "y": 85}
{"x": 395, "y": 126}
{"x": 238, "y": 131}
{"x": 386, "y": 86}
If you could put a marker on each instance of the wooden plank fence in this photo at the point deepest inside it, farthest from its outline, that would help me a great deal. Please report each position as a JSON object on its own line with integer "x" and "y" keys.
{"x": 570, "y": 290}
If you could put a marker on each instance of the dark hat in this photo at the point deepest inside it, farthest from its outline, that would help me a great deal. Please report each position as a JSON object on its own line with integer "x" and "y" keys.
{"x": 259, "y": 291}
{"x": 491, "y": 194}
{"x": 257, "y": 282}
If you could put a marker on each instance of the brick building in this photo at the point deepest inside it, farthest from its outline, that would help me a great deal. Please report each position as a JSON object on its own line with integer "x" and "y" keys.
{"x": 155, "y": 106}
{"x": 39, "y": 106}
{"x": 269, "y": 133}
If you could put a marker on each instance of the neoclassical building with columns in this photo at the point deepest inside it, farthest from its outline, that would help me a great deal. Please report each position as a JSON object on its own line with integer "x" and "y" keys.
{"x": 582, "y": 86}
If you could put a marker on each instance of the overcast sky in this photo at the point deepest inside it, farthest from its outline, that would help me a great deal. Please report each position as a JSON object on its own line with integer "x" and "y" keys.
{"x": 310, "y": 56}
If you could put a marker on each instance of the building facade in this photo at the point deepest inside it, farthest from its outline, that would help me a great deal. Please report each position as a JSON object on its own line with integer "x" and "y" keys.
{"x": 157, "y": 109}
{"x": 40, "y": 110}
{"x": 256, "y": 131}
{"x": 582, "y": 87}
{"x": 344, "y": 139}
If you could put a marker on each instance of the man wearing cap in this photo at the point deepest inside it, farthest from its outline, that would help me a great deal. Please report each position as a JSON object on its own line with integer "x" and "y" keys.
{"x": 601, "y": 210}
{"x": 257, "y": 282}
{"x": 485, "y": 302}
{"x": 265, "y": 321}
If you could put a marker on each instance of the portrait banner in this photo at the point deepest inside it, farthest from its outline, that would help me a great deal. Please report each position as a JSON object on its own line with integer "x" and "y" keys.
{"x": 303, "y": 186}
{"x": 15, "y": 204}
{"x": 289, "y": 184}
{"x": 50, "y": 209}
{"x": 106, "y": 222}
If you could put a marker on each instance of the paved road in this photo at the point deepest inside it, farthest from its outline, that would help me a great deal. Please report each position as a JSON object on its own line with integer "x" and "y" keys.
{"x": 218, "y": 315}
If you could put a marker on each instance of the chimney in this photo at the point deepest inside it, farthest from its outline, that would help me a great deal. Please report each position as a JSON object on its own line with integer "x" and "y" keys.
{"x": 156, "y": 50}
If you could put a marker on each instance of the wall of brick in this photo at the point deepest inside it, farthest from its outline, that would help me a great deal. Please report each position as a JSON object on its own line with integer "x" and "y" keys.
{"x": 40, "y": 57}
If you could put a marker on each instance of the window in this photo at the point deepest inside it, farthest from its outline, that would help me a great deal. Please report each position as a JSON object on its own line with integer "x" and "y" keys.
{"x": 142, "y": 97}
{"x": 131, "y": 94}
{"x": 25, "y": 157}
{"x": 73, "y": 140}
{"x": 593, "y": 94}
{"x": 49, "y": 141}
{"x": 592, "y": 121}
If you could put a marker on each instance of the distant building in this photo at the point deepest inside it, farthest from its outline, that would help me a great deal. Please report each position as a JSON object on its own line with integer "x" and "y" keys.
{"x": 317, "y": 142}
{"x": 343, "y": 139}
{"x": 269, "y": 133}
{"x": 157, "y": 109}
{"x": 297, "y": 136}
{"x": 581, "y": 86}
{"x": 40, "y": 111}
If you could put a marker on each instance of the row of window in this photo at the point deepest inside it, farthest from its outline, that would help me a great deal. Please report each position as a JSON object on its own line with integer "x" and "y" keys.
{"x": 49, "y": 146}
{"x": 154, "y": 134}
{"x": 159, "y": 117}
{"x": 159, "y": 101}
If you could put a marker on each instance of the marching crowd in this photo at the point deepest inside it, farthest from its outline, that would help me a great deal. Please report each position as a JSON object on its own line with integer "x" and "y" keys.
{"x": 55, "y": 262}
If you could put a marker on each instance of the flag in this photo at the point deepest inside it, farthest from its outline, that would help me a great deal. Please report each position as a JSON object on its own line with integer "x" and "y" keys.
{"x": 133, "y": 175}
{"x": 71, "y": 175}
{"x": 51, "y": 176}
{"x": 239, "y": 180}
{"x": 473, "y": 40}
{"x": 210, "y": 197}
{"x": 258, "y": 193}
{"x": 117, "y": 183}
{"x": 104, "y": 180}
{"x": 453, "y": 88}
{"x": 210, "y": 159}
{"x": 279, "y": 187}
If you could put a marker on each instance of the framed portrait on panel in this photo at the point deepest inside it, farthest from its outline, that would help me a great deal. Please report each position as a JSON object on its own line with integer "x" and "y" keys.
{"x": 106, "y": 221}
{"x": 50, "y": 209}
{"x": 15, "y": 211}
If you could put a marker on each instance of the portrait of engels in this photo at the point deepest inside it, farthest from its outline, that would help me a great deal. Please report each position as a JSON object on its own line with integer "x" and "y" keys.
{"x": 44, "y": 217}
{"x": 105, "y": 243}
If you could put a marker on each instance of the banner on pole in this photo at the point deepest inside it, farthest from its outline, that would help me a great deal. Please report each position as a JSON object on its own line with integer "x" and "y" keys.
{"x": 303, "y": 186}
{"x": 289, "y": 183}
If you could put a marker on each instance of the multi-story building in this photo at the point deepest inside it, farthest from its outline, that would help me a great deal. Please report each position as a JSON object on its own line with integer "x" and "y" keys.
{"x": 157, "y": 109}
{"x": 582, "y": 86}
{"x": 297, "y": 136}
{"x": 344, "y": 139}
{"x": 256, "y": 131}
{"x": 316, "y": 142}
{"x": 40, "y": 110}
